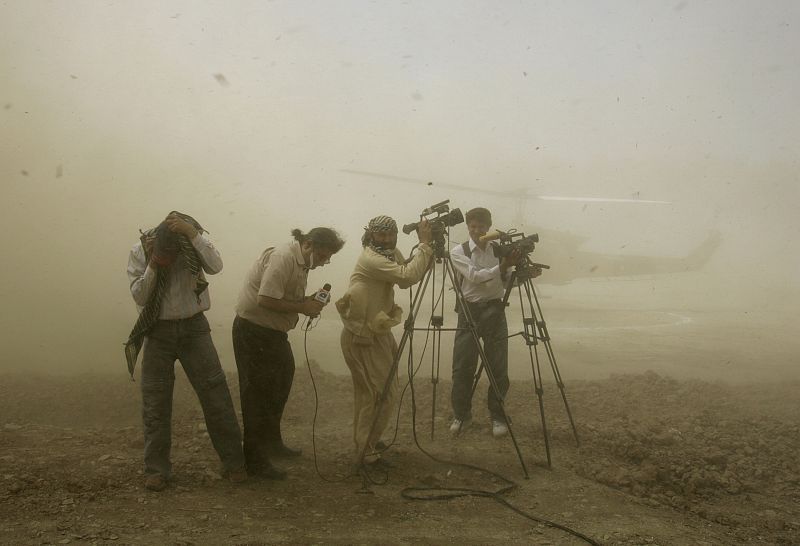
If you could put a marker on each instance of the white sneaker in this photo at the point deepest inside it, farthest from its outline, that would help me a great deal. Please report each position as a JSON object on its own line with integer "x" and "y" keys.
{"x": 499, "y": 428}
{"x": 458, "y": 426}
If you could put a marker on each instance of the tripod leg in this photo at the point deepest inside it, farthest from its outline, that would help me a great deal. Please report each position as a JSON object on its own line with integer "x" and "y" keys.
{"x": 559, "y": 382}
{"x": 545, "y": 434}
{"x": 537, "y": 383}
{"x": 434, "y": 371}
{"x": 434, "y": 380}
{"x": 536, "y": 370}
{"x": 544, "y": 335}
{"x": 476, "y": 379}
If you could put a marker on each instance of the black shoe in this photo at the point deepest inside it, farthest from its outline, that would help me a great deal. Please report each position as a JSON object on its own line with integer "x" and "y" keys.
{"x": 267, "y": 472}
{"x": 282, "y": 450}
{"x": 379, "y": 463}
{"x": 383, "y": 463}
{"x": 380, "y": 446}
{"x": 272, "y": 473}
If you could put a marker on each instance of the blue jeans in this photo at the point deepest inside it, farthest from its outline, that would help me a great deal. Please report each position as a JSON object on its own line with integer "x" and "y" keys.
{"x": 187, "y": 340}
{"x": 491, "y": 327}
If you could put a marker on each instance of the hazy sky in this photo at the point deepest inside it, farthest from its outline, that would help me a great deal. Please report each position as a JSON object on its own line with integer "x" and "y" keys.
{"x": 247, "y": 115}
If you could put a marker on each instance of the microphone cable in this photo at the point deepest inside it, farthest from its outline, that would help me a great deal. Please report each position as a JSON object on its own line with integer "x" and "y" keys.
{"x": 310, "y": 324}
{"x": 428, "y": 493}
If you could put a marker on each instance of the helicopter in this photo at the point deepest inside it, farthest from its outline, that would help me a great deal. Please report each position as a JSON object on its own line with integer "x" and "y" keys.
{"x": 569, "y": 262}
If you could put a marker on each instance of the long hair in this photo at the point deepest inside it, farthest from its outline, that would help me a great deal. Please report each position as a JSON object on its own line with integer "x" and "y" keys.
{"x": 322, "y": 237}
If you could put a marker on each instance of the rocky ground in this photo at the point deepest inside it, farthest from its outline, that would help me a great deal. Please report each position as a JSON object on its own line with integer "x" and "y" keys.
{"x": 661, "y": 461}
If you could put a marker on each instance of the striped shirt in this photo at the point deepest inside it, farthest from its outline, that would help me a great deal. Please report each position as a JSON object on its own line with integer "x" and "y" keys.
{"x": 180, "y": 301}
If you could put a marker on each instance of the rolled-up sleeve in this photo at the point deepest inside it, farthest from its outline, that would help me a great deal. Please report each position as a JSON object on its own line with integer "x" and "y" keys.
{"x": 212, "y": 261}
{"x": 141, "y": 276}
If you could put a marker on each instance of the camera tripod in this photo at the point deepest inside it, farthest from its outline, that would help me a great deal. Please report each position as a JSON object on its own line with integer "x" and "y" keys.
{"x": 535, "y": 330}
{"x": 441, "y": 257}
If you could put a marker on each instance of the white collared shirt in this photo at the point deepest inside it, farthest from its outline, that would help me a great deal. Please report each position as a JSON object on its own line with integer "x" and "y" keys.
{"x": 481, "y": 273}
{"x": 180, "y": 301}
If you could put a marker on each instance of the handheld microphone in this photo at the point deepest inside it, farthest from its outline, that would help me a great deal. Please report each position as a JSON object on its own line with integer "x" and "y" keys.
{"x": 323, "y": 295}
{"x": 491, "y": 236}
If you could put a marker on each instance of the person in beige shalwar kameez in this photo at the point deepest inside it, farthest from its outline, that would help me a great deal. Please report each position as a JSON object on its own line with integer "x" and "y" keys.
{"x": 369, "y": 312}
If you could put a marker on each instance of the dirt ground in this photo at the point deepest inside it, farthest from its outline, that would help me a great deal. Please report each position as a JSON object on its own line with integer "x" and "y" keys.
{"x": 660, "y": 461}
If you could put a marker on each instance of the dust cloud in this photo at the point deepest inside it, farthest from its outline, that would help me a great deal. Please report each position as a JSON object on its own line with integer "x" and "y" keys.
{"x": 651, "y": 145}
{"x": 254, "y": 116}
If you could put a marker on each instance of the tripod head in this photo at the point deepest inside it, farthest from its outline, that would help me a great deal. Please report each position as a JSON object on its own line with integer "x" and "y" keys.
{"x": 439, "y": 245}
{"x": 526, "y": 269}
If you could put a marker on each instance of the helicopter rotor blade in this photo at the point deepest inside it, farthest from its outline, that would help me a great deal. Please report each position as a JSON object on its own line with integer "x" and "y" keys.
{"x": 601, "y": 200}
{"x": 424, "y": 182}
{"x": 515, "y": 193}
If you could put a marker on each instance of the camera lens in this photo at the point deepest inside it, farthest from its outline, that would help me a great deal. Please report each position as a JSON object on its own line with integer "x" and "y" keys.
{"x": 453, "y": 218}
{"x": 408, "y": 228}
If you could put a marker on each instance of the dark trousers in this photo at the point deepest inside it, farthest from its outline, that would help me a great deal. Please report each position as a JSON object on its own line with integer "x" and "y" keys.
{"x": 490, "y": 324}
{"x": 266, "y": 370}
{"x": 187, "y": 340}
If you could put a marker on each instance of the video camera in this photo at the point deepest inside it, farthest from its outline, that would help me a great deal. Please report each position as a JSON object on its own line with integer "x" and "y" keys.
{"x": 508, "y": 245}
{"x": 444, "y": 218}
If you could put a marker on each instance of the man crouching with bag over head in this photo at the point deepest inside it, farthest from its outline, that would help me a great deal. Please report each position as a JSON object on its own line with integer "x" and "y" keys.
{"x": 369, "y": 312}
{"x": 167, "y": 283}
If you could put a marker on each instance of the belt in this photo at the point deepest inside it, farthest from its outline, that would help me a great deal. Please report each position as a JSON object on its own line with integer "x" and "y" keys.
{"x": 181, "y": 319}
{"x": 264, "y": 330}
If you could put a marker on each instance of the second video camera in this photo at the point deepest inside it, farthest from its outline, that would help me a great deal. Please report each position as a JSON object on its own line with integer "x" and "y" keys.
{"x": 508, "y": 244}
{"x": 445, "y": 218}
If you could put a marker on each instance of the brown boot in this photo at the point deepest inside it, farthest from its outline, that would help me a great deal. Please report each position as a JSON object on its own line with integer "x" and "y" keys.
{"x": 155, "y": 482}
{"x": 237, "y": 476}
